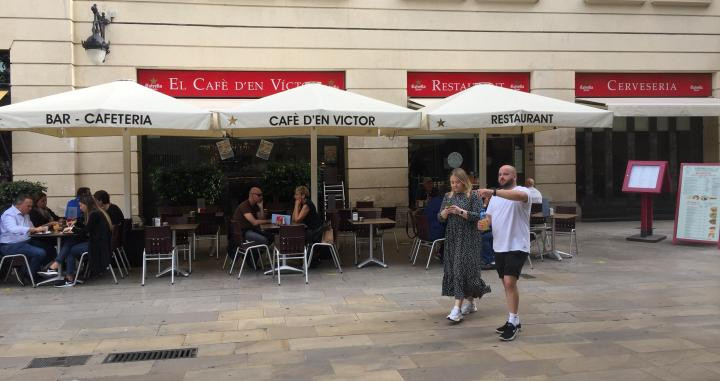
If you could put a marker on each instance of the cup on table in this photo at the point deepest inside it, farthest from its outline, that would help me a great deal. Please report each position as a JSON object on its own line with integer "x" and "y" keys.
{"x": 56, "y": 228}
{"x": 355, "y": 216}
{"x": 361, "y": 219}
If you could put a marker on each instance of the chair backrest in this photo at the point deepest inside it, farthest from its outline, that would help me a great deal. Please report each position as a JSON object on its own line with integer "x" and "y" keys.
{"x": 565, "y": 209}
{"x": 158, "y": 240}
{"x": 423, "y": 226}
{"x": 291, "y": 239}
{"x": 166, "y": 217}
{"x": 565, "y": 225}
{"x": 116, "y": 240}
{"x": 175, "y": 220}
{"x": 391, "y": 213}
{"x": 369, "y": 213}
{"x": 536, "y": 208}
{"x": 344, "y": 220}
{"x": 207, "y": 224}
{"x": 364, "y": 204}
{"x": 238, "y": 233}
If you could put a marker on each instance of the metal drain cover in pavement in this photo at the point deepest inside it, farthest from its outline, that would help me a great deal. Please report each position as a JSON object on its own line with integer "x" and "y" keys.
{"x": 166, "y": 354}
{"x": 49, "y": 362}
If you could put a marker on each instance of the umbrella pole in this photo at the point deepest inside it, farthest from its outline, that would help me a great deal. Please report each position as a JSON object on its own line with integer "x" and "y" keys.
{"x": 313, "y": 166}
{"x": 127, "y": 168}
{"x": 482, "y": 158}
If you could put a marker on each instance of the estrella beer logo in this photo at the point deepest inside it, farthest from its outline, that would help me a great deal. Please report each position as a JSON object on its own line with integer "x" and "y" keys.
{"x": 418, "y": 85}
{"x": 517, "y": 86}
{"x": 154, "y": 84}
{"x": 696, "y": 87}
{"x": 586, "y": 88}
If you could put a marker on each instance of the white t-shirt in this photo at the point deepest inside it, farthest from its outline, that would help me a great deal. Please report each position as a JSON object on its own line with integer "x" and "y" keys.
{"x": 510, "y": 223}
{"x": 535, "y": 195}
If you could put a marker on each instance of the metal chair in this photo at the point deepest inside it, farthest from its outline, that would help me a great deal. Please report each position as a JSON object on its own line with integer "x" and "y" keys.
{"x": 245, "y": 247}
{"x": 539, "y": 226}
{"x": 290, "y": 244}
{"x": 423, "y": 239}
{"x": 11, "y": 258}
{"x": 328, "y": 240}
{"x": 567, "y": 226}
{"x": 391, "y": 213}
{"x": 208, "y": 230}
{"x": 125, "y": 226}
{"x": 158, "y": 247}
{"x": 333, "y": 192}
{"x": 114, "y": 249}
{"x": 345, "y": 229}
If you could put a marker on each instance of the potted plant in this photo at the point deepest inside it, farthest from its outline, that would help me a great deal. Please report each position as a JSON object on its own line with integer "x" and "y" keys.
{"x": 183, "y": 185}
{"x": 11, "y": 189}
{"x": 280, "y": 180}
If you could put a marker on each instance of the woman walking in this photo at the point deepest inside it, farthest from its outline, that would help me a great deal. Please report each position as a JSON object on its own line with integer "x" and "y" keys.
{"x": 463, "y": 245}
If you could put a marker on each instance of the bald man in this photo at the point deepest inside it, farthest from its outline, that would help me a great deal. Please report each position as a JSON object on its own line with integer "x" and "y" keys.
{"x": 535, "y": 195}
{"x": 250, "y": 215}
{"x": 509, "y": 215}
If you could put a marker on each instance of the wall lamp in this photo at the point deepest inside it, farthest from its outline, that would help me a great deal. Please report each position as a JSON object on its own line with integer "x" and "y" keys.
{"x": 95, "y": 46}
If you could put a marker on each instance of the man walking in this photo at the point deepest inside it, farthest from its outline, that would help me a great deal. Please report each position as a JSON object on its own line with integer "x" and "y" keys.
{"x": 509, "y": 215}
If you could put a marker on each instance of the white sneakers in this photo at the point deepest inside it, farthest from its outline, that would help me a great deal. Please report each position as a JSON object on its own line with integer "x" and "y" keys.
{"x": 468, "y": 308}
{"x": 455, "y": 315}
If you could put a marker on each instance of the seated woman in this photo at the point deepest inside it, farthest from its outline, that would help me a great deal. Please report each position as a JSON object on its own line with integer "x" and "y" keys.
{"x": 305, "y": 212}
{"x": 40, "y": 214}
{"x": 95, "y": 232}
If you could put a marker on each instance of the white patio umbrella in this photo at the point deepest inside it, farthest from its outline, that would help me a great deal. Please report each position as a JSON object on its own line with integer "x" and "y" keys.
{"x": 316, "y": 109}
{"x": 488, "y": 108}
{"x": 120, "y": 108}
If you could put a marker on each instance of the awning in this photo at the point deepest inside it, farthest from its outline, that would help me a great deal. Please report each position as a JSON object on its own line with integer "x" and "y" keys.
{"x": 2, "y": 94}
{"x": 656, "y": 106}
{"x": 216, "y": 103}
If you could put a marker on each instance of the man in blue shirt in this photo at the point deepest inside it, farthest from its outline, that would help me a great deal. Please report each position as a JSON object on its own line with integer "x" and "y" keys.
{"x": 15, "y": 230}
{"x": 72, "y": 210}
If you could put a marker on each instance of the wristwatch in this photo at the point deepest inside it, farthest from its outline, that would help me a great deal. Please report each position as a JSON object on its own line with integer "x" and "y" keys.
{"x": 495, "y": 192}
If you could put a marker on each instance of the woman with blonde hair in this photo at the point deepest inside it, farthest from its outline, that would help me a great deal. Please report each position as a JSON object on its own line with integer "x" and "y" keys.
{"x": 463, "y": 245}
{"x": 305, "y": 212}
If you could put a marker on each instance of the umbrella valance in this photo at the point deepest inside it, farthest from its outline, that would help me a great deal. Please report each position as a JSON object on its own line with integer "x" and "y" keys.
{"x": 328, "y": 110}
{"x": 108, "y": 110}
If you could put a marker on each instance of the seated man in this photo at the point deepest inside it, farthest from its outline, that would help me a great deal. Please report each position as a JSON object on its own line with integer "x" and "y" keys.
{"x": 424, "y": 193}
{"x": 535, "y": 195}
{"x": 15, "y": 230}
{"x": 72, "y": 210}
{"x": 116, "y": 215}
{"x": 250, "y": 215}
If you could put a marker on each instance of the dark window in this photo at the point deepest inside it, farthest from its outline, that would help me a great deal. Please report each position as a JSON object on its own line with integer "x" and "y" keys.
{"x": 602, "y": 157}
{"x": 5, "y": 137}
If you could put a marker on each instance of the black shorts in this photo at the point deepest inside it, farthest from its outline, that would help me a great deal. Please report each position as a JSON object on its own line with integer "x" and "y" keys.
{"x": 510, "y": 263}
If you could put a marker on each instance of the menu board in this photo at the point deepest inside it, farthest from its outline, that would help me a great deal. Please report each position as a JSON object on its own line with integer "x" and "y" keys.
{"x": 698, "y": 202}
{"x": 645, "y": 177}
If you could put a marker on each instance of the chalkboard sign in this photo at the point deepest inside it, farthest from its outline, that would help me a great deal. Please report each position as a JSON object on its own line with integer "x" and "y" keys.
{"x": 698, "y": 202}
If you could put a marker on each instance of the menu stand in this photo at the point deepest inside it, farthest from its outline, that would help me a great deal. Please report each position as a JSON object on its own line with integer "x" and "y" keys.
{"x": 646, "y": 178}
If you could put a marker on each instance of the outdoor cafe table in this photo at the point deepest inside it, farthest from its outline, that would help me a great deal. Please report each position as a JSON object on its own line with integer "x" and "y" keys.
{"x": 274, "y": 228}
{"x": 554, "y": 217}
{"x": 58, "y": 236}
{"x": 371, "y": 222}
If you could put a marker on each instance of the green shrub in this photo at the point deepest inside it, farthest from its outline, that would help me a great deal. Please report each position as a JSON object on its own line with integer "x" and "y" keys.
{"x": 11, "y": 189}
{"x": 281, "y": 178}
{"x": 185, "y": 184}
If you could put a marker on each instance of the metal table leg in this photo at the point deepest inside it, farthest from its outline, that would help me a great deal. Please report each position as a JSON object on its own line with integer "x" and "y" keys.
{"x": 371, "y": 259}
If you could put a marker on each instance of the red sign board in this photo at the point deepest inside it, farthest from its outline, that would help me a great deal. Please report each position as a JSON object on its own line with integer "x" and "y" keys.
{"x": 646, "y": 177}
{"x": 232, "y": 84}
{"x": 617, "y": 85}
{"x": 430, "y": 84}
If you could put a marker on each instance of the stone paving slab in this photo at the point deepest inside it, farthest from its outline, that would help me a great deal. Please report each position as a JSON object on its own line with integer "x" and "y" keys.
{"x": 619, "y": 311}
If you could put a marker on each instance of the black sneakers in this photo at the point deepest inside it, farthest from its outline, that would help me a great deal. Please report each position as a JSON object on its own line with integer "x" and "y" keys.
{"x": 509, "y": 332}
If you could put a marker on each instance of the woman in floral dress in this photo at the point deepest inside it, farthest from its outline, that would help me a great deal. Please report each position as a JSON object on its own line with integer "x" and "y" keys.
{"x": 463, "y": 245}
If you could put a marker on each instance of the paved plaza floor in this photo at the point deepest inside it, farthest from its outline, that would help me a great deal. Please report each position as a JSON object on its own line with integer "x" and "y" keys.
{"x": 620, "y": 311}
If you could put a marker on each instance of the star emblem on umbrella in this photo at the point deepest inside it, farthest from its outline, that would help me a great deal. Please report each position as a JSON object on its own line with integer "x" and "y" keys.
{"x": 232, "y": 120}
{"x": 153, "y": 81}
{"x": 441, "y": 123}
